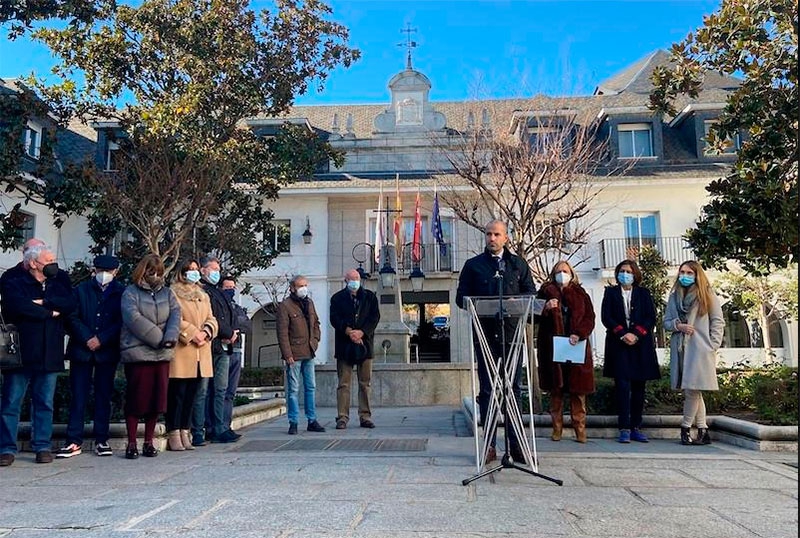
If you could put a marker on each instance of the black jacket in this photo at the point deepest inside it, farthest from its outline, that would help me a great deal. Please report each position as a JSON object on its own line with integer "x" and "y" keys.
{"x": 639, "y": 361}
{"x": 41, "y": 336}
{"x": 343, "y": 315}
{"x": 226, "y": 318}
{"x": 98, "y": 313}
{"x": 477, "y": 277}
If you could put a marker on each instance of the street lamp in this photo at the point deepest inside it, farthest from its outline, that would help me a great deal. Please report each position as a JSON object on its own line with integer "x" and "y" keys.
{"x": 367, "y": 248}
{"x": 307, "y": 235}
{"x": 387, "y": 274}
{"x": 417, "y": 277}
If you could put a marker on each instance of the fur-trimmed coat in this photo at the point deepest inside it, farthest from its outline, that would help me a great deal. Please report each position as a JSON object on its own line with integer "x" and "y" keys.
{"x": 196, "y": 316}
{"x": 551, "y": 323}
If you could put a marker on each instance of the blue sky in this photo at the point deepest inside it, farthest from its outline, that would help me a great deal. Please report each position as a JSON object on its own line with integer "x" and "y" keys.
{"x": 476, "y": 49}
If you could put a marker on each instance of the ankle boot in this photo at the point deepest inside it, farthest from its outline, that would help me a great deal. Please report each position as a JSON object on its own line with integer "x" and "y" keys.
{"x": 174, "y": 442}
{"x": 557, "y": 414}
{"x": 578, "y": 411}
{"x": 686, "y": 437}
{"x": 702, "y": 437}
{"x": 186, "y": 439}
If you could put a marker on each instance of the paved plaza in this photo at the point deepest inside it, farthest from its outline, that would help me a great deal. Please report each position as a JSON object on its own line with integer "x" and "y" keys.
{"x": 403, "y": 480}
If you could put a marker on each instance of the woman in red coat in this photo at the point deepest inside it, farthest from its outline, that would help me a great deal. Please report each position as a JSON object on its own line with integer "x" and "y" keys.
{"x": 567, "y": 312}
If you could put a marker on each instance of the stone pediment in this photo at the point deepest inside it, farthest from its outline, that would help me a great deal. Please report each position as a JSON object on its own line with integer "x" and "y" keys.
{"x": 410, "y": 110}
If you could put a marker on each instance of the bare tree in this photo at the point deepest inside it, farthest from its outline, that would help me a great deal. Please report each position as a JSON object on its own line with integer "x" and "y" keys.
{"x": 541, "y": 177}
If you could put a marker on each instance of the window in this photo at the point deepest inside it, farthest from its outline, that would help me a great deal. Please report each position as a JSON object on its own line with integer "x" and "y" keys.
{"x": 33, "y": 141}
{"x": 635, "y": 140}
{"x": 640, "y": 231}
{"x": 25, "y": 224}
{"x": 111, "y": 157}
{"x": 732, "y": 145}
{"x": 277, "y": 236}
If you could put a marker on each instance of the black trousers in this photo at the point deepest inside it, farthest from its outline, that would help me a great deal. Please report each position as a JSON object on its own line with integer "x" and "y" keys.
{"x": 85, "y": 378}
{"x": 180, "y": 401}
{"x": 630, "y": 402}
{"x": 485, "y": 383}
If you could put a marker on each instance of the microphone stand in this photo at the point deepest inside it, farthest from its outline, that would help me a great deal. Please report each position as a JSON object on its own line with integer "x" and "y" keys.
{"x": 505, "y": 462}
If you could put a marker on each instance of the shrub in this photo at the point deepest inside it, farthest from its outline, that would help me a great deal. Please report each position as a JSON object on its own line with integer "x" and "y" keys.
{"x": 261, "y": 377}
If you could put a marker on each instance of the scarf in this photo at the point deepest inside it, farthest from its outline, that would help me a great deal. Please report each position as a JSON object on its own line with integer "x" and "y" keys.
{"x": 685, "y": 305}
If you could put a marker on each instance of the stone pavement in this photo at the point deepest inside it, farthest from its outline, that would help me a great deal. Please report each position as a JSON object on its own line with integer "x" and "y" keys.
{"x": 403, "y": 480}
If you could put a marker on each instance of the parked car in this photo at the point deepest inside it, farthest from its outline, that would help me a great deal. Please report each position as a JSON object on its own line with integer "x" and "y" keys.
{"x": 441, "y": 322}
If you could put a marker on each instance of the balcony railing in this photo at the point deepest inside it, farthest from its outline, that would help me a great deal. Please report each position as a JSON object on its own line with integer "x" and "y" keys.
{"x": 674, "y": 250}
{"x": 435, "y": 258}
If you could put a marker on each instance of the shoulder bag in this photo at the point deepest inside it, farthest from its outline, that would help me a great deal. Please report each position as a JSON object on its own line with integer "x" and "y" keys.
{"x": 10, "y": 356}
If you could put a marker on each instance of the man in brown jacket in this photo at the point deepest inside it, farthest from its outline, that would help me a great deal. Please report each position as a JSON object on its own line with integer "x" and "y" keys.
{"x": 297, "y": 325}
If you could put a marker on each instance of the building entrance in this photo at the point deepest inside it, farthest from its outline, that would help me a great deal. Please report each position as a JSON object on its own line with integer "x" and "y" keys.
{"x": 427, "y": 314}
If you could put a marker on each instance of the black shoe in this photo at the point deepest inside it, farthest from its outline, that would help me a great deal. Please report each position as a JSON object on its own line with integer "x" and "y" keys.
{"x": 516, "y": 454}
{"x": 293, "y": 428}
{"x": 315, "y": 426}
{"x": 341, "y": 424}
{"x": 131, "y": 452}
{"x": 149, "y": 451}
{"x": 227, "y": 437}
{"x": 236, "y": 436}
{"x": 6, "y": 459}
{"x": 686, "y": 436}
{"x": 367, "y": 423}
{"x": 198, "y": 440}
{"x": 702, "y": 437}
{"x": 44, "y": 456}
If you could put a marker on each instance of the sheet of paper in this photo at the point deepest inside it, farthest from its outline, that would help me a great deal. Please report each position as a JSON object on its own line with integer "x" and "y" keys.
{"x": 563, "y": 351}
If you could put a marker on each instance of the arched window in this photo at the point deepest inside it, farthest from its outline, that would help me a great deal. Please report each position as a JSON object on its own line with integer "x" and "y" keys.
{"x": 775, "y": 331}
{"x": 737, "y": 333}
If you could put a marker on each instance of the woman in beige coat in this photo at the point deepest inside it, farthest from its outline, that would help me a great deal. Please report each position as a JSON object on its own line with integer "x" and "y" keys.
{"x": 192, "y": 354}
{"x": 694, "y": 316}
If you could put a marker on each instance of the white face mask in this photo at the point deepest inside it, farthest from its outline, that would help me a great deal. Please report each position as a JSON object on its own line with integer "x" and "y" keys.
{"x": 563, "y": 278}
{"x": 302, "y": 292}
{"x": 104, "y": 278}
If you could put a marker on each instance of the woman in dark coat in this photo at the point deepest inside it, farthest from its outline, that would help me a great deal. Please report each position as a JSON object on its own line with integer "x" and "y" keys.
{"x": 568, "y": 312}
{"x": 629, "y": 315}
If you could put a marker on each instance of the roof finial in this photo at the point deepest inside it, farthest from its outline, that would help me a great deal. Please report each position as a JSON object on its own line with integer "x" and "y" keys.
{"x": 409, "y": 44}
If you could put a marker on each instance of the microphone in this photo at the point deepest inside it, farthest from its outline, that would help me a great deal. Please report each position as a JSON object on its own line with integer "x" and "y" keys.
{"x": 501, "y": 266}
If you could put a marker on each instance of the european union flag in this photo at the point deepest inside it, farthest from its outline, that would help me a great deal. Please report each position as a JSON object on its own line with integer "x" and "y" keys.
{"x": 436, "y": 226}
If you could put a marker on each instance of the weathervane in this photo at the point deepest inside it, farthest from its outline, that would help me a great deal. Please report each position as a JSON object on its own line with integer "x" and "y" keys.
{"x": 409, "y": 44}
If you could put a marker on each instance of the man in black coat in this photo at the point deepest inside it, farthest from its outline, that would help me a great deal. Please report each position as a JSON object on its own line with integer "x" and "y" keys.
{"x": 209, "y": 403}
{"x": 93, "y": 352}
{"x": 354, "y": 315}
{"x": 481, "y": 276}
{"x": 37, "y": 301}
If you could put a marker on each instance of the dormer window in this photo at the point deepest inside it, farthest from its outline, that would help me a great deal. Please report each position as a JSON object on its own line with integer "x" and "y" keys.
{"x": 732, "y": 145}
{"x": 33, "y": 141}
{"x": 635, "y": 140}
{"x": 111, "y": 157}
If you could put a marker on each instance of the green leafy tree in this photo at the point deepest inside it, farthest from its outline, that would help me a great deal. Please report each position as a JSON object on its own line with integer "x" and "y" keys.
{"x": 753, "y": 212}
{"x": 192, "y": 72}
{"x": 654, "y": 278}
{"x": 19, "y": 15}
{"x": 762, "y": 299}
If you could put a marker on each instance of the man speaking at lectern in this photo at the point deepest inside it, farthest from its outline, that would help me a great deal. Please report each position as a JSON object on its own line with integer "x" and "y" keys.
{"x": 480, "y": 277}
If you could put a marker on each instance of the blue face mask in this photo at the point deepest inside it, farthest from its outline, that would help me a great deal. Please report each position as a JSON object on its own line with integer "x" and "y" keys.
{"x": 229, "y": 293}
{"x": 353, "y": 285}
{"x": 686, "y": 280}
{"x": 193, "y": 276}
{"x": 626, "y": 279}
{"x": 213, "y": 277}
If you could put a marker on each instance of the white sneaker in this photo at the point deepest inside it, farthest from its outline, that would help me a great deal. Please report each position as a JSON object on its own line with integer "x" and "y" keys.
{"x": 72, "y": 449}
{"x": 103, "y": 449}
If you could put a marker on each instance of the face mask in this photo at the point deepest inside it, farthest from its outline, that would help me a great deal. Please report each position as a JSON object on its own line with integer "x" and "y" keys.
{"x": 229, "y": 293}
{"x": 302, "y": 292}
{"x": 154, "y": 281}
{"x": 563, "y": 278}
{"x": 626, "y": 279}
{"x": 686, "y": 280}
{"x": 50, "y": 270}
{"x": 213, "y": 277}
{"x": 193, "y": 276}
{"x": 353, "y": 285}
{"x": 104, "y": 278}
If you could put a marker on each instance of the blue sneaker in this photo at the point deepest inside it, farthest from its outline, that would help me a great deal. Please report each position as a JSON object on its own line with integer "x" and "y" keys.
{"x": 638, "y": 436}
{"x": 624, "y": 436}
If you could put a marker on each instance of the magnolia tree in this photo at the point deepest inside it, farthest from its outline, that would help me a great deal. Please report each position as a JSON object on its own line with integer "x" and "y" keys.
{"x": 190, "y": 72}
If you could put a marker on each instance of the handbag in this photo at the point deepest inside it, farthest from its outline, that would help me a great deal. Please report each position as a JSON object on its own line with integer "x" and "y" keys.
{"x": 10, "y": 356}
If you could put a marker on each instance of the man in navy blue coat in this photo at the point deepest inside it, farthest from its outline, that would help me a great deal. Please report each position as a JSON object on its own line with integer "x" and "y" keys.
{"x": 93, "y": 352}
{"x": 37, "y": 301}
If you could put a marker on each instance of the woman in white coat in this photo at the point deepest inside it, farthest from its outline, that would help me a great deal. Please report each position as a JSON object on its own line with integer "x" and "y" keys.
{"x": 694, "y": 316}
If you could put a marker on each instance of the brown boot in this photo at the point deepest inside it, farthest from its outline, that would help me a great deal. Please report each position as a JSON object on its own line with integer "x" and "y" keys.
{"x": 174, "y": 442}
{"x": 186, "y": 439}
{"x": 557, "y": 414}
{"x": 578, "y": 412}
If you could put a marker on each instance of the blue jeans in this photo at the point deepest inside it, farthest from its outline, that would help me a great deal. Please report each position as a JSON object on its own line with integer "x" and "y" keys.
{"x": 199, "y": 407}
{"x": 234, "y": 372}
{"x": 80, "y": 386}
{"x": 304, "y": 368}
{"x": 43, "y": 388}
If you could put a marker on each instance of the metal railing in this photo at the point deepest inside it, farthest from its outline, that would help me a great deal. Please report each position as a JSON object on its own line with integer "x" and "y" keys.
{"x": 436, "y": 258}
{"x": 674, "y": 250}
